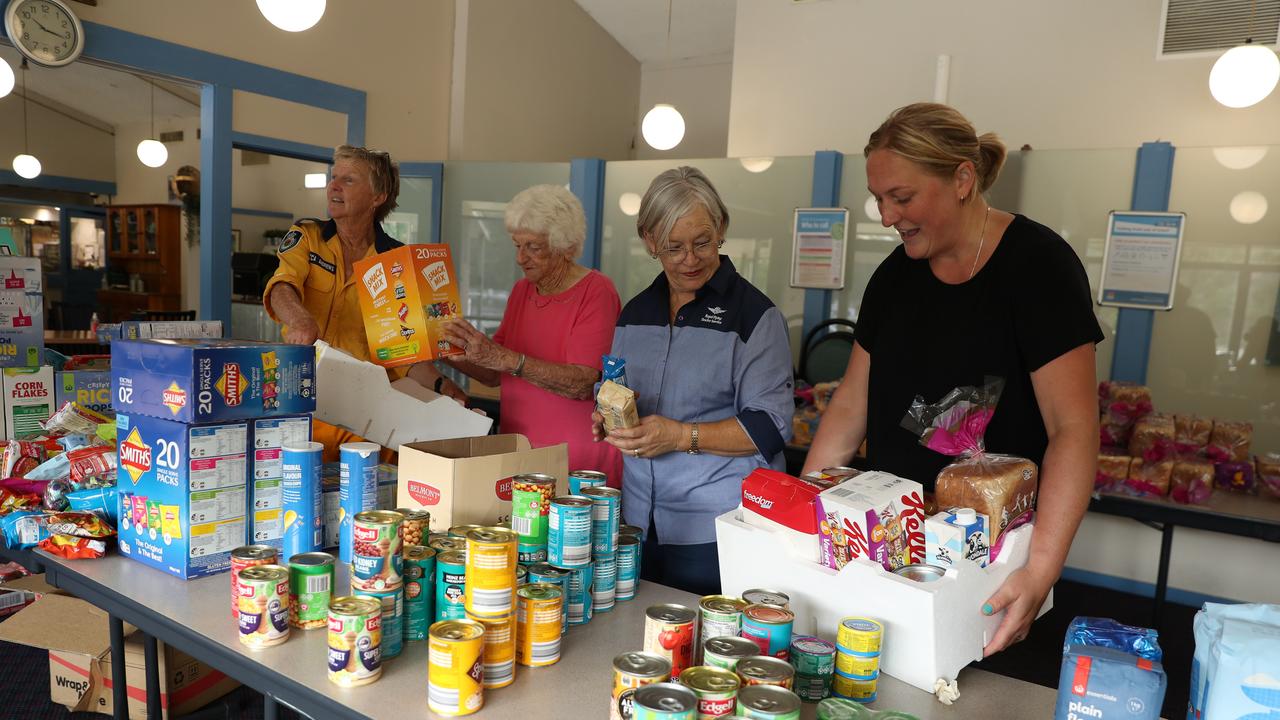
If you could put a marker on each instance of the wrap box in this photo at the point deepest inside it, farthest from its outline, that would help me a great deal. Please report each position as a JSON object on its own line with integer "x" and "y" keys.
{"x": 28, "y": 400}
{"x": 405, "y": 296}
{"x": 87, "y": 388}
{"x": 266, "y": 475}
{"x": 776, "y": 501}
{"x": 21, "y": 328}
{"x": 183, "y": 493}
{"x": 20, "y": 273}
{"x": 468, "y": 480}
{"x": 77, "y": 637}
{"x": 196, "y": 381}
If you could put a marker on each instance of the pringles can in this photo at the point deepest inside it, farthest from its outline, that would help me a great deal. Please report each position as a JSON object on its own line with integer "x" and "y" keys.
{"x": 302, "y": 499}
{"x": 357, "y": 489}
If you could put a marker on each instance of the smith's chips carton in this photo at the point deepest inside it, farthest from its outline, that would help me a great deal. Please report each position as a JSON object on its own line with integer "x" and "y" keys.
{"x": 266, "y": 472}
{"x": 957, "y": 533}
{"x": 197, "y": 381}
{"x": 28, "y": 400}
{"x": 21, "y": 328}
{"x": 406, "y": 294}
{"x": 183, "y": 492}
{"x": 874, "y": 515}
{"x": 87, "y": 388}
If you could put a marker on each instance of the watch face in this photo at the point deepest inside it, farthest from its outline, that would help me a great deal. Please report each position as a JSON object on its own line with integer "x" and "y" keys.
{"x": 45, "y": 31}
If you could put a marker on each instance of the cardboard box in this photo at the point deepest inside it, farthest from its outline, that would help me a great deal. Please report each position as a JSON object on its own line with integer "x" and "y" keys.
{"x": 183, "y": 493}
{"x": 87, "y": 388}
{"x": 777, "y": 501}
{"x": 28, "y": 400}
{"x": 406, "y": 294}
{"x": 266, "y": 474}
{"x": 468, "y": 480}
{"x": 21, "y": 328}
{"x": 359, "y": 397}
{"x": 212, "y": 380}
{"x": 21, "y": 273}
{"x": 77, "y": 637}
{"x": 169, "y": 330}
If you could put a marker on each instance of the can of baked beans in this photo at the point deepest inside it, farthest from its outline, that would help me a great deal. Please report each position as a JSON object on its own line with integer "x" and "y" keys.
{"x": 264, "y": 605}
{"x": 491, "y": 572}
{"x": 451, "y": 585}
{"x": 632, "y": 671}
{"x": 355, "y": 641}
{"x": 310, "y": 589}
{"x": 606, "y": 518}
{"x": 665, "y": 701}
{"x": 716, "y": 689}
{"x": 768, "y": 626}
{"x": 419, "y": 591}
{"x": 376, "y": 559}
{"x": 669, "y": 631}
{"x": 579, "y": 479}
{"x": 244, "y": 557}
{"x": 392, "y": 602}
{"x": 725, "y": 652}
{"x": 416, "y": 528}
{"x": 765, "y": 670}
{"x": 531, "y": 495}
{"x": 455, "y": 675}
{"x": 539, "y": 620}
{"x": 569, "y": 528}
{"x": 499, "y": 650}
{"x": 765, "y": 702}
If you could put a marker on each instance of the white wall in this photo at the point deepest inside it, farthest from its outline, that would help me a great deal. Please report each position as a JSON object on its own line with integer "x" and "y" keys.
{"x": 64, "y": 146}
{"x": 699, "y": 89}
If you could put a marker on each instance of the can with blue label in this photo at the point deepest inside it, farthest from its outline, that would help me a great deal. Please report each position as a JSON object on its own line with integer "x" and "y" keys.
{"x": 606, "y": 518}
{"x": 579, "y": 479}
{"x": 357, "y": 489}
{"x": 769, "y": 627}
{"x": 628, "y": 564}
{"x": 604, "y": 585}
{"x": 569, "y": 526}
{"x": 419, "y": 591}
{"x": 545, "y": 573}
{"x": 579, "y": 594}
{"x": 451, "y": 585}
{"x": 302, "y": 499}
{"x": 392, "y": 602}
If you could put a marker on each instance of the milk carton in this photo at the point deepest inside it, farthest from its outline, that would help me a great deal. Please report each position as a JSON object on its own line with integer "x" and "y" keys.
{"x": 406, "y": 294}
{"x": 266, "y": 473}
{"x": 874, "y": 515}
{"x": 87, "y": 388}
{"x": 957, "y": 533}
{"x": 28, "y": 400}
{"x": 183, "y": 493}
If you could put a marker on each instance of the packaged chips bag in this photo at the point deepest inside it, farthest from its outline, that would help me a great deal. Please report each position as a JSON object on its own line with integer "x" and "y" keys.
{"x": 21, "y": 457}
{"x": 72, "y": 419}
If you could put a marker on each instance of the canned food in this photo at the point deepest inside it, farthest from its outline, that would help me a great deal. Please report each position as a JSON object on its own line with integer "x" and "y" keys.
{"x": 579, "y": 583}
{"x": 715, "y": 687}
{"x": 725, "y": 652}
{"x": 921, "y": 573}
{"x": 392, "y": 602}
{"x": 419, "y": 591}
{"x": 769, "y": 626}
{"x": 812, "y": 688}
{"x": 491, "y": 572}
{"x": 302, "y": 502}
{"x": 545, "y": 573}
{"x": 539, "y": 621}
{"x": 357, "y": 490}
{"x": 859, "y": 667}
{"x": 664, "y": 701}
{"x": 416, "y": 527}
{"x": 376, "y": 560}
{"x": 522, "y": 575}
{"x": 244, "y": 557}
{"x": 628, "y": 563}
{"x": 721, "y": 616}
{"x": 812, "y": 656}
{"x": 310, "y": 589}
{"x": 631, "y": 671}
{"x": 580, "y": 479}
{"x": 605, "y": 585}
{"x": 531, "y": 495}
{"x": 451, "y": 585}
{"x": 765, "y": 670}
{"x": 765, "y": 702}
{"x": 633, "y": 530}
{"x": 860, "y": 636}
{"x": 606, "y": 518}
{"x": 761, "y": 596}
{"x": 444, "y": 543}
{"x": 355, "y": 641}
{"x": 569, "y": 532}
{"x": 843, "y": 709}
{"x": 669, "y": 631}
{"x": 461, "y": 531}
{"x": 854, "y": 689}
{"x": 499, "y": 650}
{"x": 264, "y": 605}
{"x": 455, "y": 676}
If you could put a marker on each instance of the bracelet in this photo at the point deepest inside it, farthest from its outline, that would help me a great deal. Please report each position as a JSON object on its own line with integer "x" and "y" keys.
{"x": 439, "y": 384}
{"x": 693, "y": 440}
{"x": 519, "y": 366}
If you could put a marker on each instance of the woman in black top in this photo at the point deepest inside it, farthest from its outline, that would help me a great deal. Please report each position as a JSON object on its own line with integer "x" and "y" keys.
{"x": 972, "y": 292}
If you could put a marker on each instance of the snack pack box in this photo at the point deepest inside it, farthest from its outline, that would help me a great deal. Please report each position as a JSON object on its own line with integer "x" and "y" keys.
{"x": 168, "y": 329}
{"x": 874, "y": 515}
{"x": 265, "y": 524}
{"x": 183, "y": 493}
{"x": 405, "y": 296}
{"x": 21, "y": 328}
{"x": 87, "y": 388}
{"x": 196, "y": 381}
{"x": 28, "y": 400}
{"x": 957, "y": 533}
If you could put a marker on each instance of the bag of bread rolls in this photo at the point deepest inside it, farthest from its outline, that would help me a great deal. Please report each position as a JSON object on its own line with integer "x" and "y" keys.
{"x": 1113, "y": 470}
{"x": 1191, "y": 482}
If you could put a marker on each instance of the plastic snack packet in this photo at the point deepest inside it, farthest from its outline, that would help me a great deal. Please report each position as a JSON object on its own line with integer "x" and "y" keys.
{"x": 72, "y": 547}
{"x": 21, "y": 457}
{"x": 615, "y": 369}
{"x": 72, "y": 419}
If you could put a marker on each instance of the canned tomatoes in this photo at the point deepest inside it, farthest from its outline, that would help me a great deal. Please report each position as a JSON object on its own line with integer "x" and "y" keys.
{"x": 451, "y": 585}
{"x": 355, "y": 641}
{"x": 491, "y": 572}
{"x": 665, "y": 701}
{"x": 392, "y": 603}
{"x": 631, "y": 671}
{"x": 768, "y": 626}
{"x": 539, "y": 620}
{"x": 264, "y": 605}
{"x": 606, "y": 518}
{"x": 419, "y": 591}
{"x": 669, "y": 631}
{"x": 569, "y": 527}
{"x": 764, "y": 702}
{"x": 245, "y": 557}
{"x": 376, "y": 562}
{"x": 860, "y": 636}
{"x": 605, "y": 585}
{"x": 579, "y": 479}
{"x": 545, "y": 573}
{"x": 762, "y": 596}
{"x": 765, "y": 670}
{"x": 628, "y": 564}
{"x": 721, "y": 616}
{"x": 499, "y": 650}
{"x": 416, "y": 527}
{"x": 716, "y": 689}
{"x": 530, "y": 503}
{"x": 726, "y": 652}
{"x": 455, "y": 676}
{"x": 310, "y": 588}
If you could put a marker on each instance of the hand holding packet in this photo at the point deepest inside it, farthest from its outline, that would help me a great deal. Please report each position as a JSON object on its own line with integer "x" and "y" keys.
{"x": 617, "y": 405}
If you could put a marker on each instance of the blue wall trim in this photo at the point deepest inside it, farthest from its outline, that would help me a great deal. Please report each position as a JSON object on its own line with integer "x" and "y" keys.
{"x": 1137, "y": 587}
{"x": 285, "y": 148}
{"x": 586, "y": 180}
{"x": 435, "y": 172}
{"x": 215, "y": 204}
{"x": 59, "y": 182}
{"x": 828, "y": 166}
{"x": 262, "y": 213}
{"x": 1152, "y": 182}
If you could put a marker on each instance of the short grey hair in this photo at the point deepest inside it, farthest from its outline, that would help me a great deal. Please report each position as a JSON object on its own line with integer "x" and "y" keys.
{"x": 549, "y": 210}
{"x": 674, "y": 194}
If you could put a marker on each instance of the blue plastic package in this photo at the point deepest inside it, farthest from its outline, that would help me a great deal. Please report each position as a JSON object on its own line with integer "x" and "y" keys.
{"x": 23, "y": 529}
{"x": 54, "y": 468}
{"x": 1100, "y": 683}
{"x": 1235, "y": 672}
{"x": 102, "y": 502}
{"x": 75, "y": 442}
{"x": 1105, "y": 632}
{"x": 615, "y": 369}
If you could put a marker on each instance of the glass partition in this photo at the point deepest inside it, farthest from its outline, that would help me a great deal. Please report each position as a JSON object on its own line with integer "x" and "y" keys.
{"x": 1217, "y": 353}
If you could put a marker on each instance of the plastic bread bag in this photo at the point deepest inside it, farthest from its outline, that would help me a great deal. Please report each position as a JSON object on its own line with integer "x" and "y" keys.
{"x": 72, "y": 419}
{"x": 1152, "y": 438}
{"x": 1120, "y": 405}
{"x": 1230, "y": 441}
{"x": 1191, "y": 482}
{"x": 1113, "y": 471}
{"x": 1268, "y": 475}
{"x": 1149, "y": 479}
{"x": 1002, "y": 487}
{"x": 1191, "y": 434}
{"x": 614, "y": 368}
{"x": 1234, "y": 476}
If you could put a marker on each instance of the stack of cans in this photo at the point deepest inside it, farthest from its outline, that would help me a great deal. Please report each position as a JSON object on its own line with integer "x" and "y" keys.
{"x": 569, "y": 543}
{"x": 606, "y": 520}
{"x": 858, "y": 641}
{"x": 489, "y": 599}
{"x": 377, "y": 571}
{"x": 630, "y": 541}
{"x": 815, "y": 662}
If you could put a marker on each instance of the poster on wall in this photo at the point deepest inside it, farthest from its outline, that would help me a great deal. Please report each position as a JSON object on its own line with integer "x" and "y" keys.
{"x": 1140, "y": 263}
{"x": 819, "y": 239}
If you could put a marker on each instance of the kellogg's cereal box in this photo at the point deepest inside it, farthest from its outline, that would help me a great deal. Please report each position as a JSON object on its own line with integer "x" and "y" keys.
{"x": 406, "y": 294}
{"x": 874, "y": 515}
{"x": 28, "y": 401}
{"x": 211, "y": 380}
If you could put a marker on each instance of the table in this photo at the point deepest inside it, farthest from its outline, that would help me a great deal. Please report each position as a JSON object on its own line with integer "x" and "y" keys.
{"x": 195, "y": 617}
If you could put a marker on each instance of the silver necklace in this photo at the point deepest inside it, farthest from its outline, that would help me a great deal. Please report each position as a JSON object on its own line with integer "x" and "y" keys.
{"x": 982, "y": 238}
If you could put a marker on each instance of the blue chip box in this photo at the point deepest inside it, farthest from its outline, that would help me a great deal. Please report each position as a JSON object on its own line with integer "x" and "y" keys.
{"x": 196, "y": 381}
{"x": 183, "y": 493}
{"x": 87, "y": 388}
{"x": 266, "y": 473}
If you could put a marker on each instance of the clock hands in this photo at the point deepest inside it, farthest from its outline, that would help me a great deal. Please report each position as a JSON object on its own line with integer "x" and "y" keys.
{"x": 42, "y": 27}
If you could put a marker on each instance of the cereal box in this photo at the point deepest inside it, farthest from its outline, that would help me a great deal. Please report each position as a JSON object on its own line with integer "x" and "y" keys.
{"x": 197, "y": 381}
{"x": 405, "y": 295}
{"x": 874, "y": 515}
{"x": 28, "y": 400}
{"x": 266, "y": 473}
{"x": 86, "y": 388}
{"x": 183, "y": 493}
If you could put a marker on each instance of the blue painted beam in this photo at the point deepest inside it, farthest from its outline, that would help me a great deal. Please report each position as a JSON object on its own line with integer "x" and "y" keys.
{"x": 262, "y": 213}
{"x": 586, "y": 180}
{"x": 828, "y": 165}
{"x": 59, "y": 182}
{"x": 434, "y": 172}
{"x": 215, "y": 204}
{"x": 284, "y": 148}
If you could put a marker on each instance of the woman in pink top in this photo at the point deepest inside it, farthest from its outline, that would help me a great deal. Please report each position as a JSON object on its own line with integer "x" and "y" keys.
{"x": 558, "y": 323}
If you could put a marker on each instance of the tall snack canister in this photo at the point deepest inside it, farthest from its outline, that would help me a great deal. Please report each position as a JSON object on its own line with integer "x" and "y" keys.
{"x": 302, "y": 499}
{"x": 357, "y": 489}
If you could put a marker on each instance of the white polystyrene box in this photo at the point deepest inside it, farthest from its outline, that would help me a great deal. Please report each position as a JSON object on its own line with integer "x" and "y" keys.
{"x": 801, "y": 546}
{"x": 931, "y": 630}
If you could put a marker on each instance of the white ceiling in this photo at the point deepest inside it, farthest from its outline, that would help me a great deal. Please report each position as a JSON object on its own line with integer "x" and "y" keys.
{"x": 699, "y": 28}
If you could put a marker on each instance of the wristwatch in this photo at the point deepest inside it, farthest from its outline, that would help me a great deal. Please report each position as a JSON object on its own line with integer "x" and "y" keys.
{"x": 693, "y": 440}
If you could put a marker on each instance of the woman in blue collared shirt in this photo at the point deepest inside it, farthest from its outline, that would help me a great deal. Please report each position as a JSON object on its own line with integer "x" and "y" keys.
{"x": 708, "y": 357}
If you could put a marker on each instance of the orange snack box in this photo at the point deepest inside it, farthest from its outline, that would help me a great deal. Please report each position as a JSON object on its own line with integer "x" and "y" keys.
{"x": 406, "y": 294}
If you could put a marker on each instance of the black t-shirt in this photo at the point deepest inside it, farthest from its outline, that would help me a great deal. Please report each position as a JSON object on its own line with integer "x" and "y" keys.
{"x": 1027, "y": 306}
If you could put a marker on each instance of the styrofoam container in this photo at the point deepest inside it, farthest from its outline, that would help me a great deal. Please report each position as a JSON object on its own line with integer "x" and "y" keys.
{"x": 931, "y": 630}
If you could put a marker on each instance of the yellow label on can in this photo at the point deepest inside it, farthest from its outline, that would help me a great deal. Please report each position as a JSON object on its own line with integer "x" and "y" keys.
{"x": 860, "y": 635}
{"x": 857, "y": 665}
{"x": 455, "y": 676}
{"x": 539, "y": 620}
{"x": 491, "y": 572}
{"x": 850, "y": 688}
{"x": 499, "y": 650}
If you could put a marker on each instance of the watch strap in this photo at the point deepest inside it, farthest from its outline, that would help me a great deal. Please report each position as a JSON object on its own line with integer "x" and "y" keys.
{"x": 693, "y": 440}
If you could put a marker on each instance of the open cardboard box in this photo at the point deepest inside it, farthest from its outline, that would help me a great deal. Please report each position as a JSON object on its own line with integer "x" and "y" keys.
{"x": 931, "y": 630}
{"x": 358, "y": 396}
{"x": 78, "y": 639}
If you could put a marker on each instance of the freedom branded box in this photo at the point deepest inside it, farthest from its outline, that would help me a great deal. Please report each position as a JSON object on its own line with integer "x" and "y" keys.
{"x": 86, "y": 388}
{"x": 183, "y": 493}
{"x": 28, "y": 400}
{"x": 405, "y": 296}
{"x": 21, "y": 328}
{"x": 197, "y": 381}
{"x": 266, "y": 473}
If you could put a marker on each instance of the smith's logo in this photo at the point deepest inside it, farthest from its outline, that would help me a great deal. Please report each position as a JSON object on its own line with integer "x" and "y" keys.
{"x": 135, "y": 456}
{"x": 762, "y": 502}
{"x": 231, "y": 384}
{"x": 174, "y": 398}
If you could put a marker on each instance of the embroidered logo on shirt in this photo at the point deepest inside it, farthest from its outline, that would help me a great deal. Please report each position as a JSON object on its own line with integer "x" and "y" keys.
{"x": 315, "y": 259}
{"x": 713, "y": 316}
{"x": 290, "y": 240}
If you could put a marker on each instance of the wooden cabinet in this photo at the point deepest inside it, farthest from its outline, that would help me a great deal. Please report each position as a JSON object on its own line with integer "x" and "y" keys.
{"x": 143, "y": 240}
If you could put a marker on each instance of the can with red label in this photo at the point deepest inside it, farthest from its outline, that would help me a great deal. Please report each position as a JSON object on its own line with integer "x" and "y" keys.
{"x": 245, "y": 557}
{"x": 632, "y": 671}
{"x": 769, "y": 626}
{"x": 669, "y": 631}
{"x": 716, "y": 689}
{"x": 376, "y": 560}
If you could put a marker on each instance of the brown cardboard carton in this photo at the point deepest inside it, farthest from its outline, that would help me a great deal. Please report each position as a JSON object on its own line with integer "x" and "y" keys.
{"x": 468, "y": 480}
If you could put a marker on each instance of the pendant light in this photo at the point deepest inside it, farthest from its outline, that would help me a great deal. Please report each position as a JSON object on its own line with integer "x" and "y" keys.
{"x": 1246, "y": 74}
{"x": 152, "y": 152}
{"x": 292, "y": 15}
{"x": 663, "y": 126}
{"x": 26, "y": 165}
{"x": 6, "y": 78}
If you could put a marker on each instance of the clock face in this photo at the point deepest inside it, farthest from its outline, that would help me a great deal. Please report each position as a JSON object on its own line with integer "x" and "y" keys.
{"x": 45, "y": 31}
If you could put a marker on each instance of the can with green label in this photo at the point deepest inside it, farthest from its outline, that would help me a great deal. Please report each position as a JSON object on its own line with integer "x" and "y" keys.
{"x": 531, "y": 495}
{"x": 419, "y": 591}
{"x": 310, "y": 589}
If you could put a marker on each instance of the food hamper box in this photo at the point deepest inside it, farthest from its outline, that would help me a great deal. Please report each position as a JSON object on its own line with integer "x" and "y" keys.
{"x": 406, "y": 294}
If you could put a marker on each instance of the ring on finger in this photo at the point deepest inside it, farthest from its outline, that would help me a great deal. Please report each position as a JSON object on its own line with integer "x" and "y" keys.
{"x": 636, "y": 452}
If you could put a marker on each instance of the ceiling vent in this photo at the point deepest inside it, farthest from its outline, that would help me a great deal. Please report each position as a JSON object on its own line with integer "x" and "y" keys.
{"x": 1208, "y": 27}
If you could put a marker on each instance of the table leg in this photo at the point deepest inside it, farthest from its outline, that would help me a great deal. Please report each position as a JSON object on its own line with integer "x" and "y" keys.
{"x": 150, "y": 654}
{"x": 270, "y": 708}
{"x": 1162, "y": 577}
{"x": 119, "y": 682}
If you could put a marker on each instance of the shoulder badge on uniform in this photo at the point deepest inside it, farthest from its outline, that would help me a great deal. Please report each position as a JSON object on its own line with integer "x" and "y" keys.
{"x": 290, "y": 241}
